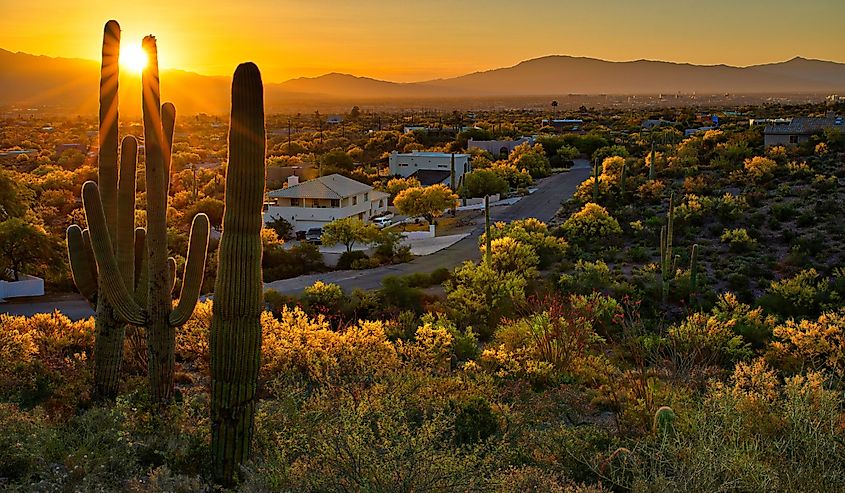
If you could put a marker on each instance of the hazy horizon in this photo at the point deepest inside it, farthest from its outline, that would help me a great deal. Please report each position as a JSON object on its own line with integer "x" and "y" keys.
{"x": 377, "y": 39}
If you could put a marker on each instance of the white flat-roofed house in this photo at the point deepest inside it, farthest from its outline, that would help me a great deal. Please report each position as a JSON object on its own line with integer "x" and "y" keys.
{"x": 315, "y": 203}
{"x": 430, "y": 167}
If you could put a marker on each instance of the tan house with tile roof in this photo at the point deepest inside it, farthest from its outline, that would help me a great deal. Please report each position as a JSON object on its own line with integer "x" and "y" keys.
{"x": 315, "y": 203}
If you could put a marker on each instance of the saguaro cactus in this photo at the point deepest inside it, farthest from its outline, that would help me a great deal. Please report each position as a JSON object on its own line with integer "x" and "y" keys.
{"x": 488, "y": 253}
{"x": 151, "y": 303}
{"x": 693, "y": 271}
{"x": 668, "y": 261}
{"x": 117, "y": 194}
{"x": 596, "y": 180}
{"x": 235, "y": 344}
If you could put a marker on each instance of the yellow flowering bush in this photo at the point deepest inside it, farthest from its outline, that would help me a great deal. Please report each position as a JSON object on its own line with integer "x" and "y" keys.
{"x": 304, "y": 348}
{"x": 591, "y": 223}
{"x": 815, "y": 344}
{"x": 759, "y": 168}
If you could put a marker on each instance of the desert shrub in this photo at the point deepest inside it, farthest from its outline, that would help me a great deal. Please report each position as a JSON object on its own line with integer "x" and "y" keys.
{"x": 591, "y": 224}
{"x": 805, "y": 294}
{"x": 752, "y": 324}
{"x": 586, "y": 277}
{"x": 760, "y": 168}
{"x": 702, "y": 341}
{"x": 347, "y": 260}
{"x": 323, "y": 298}
{"x": 752, "y": 433}
{"x": 738, "y": 240}
{"x": 818, "y": 345}
{"x": 479, "y": 296}
{"x": 300, "y": 348}
{"x": 534, "y": 233}
{"x": 510, "y": 255}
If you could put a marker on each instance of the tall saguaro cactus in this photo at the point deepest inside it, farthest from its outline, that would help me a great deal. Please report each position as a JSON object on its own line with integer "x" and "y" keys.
{"x": 117, "y": 194}
{"x": 236, "y": 320}
{"x": 150, "y": 303}
{"x": 668, "y": 265}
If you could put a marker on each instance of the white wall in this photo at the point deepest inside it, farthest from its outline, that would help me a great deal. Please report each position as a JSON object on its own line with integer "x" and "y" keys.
{"x": 304, "y": 218}
{"x": 27, "y": 286}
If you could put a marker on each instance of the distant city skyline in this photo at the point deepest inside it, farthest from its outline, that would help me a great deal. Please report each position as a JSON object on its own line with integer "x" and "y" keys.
{"x": 436, "y": 39}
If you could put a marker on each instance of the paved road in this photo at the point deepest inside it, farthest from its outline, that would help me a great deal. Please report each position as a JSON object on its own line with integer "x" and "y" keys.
{"x": 541, "y": 204}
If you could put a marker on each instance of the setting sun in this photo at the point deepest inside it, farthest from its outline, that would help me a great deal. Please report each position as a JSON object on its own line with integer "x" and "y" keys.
{"x": 133, "y": 57}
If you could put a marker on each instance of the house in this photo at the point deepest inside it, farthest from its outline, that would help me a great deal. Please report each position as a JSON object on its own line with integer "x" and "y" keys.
{"x": 430, "y": 168}
{"x": 334, "y": 120}
{"x": 315, "y": 203}
{"x": 649, "y": 124}
{"x": 498, "y": 147}
{"x": 564, "y": 125}
{"x": 798, "y": 130}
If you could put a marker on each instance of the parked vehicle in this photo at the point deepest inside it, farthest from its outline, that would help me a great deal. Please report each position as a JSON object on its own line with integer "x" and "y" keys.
{"x": 314, "y": 235}
{"x": 383, "y": 221}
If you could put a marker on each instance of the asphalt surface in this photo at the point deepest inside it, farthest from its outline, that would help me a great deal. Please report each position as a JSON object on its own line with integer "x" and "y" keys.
{"x": 542, "y": 204}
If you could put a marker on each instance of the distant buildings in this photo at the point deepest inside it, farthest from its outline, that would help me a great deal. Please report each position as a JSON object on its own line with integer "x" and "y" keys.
{"x": 62, "y": 148}
{"x": 798, "y": 130}
{"x": 430, "y": 167}
{"x": 649, "y": 124}
{"x": 498, "y": 147}
{"x": 315, "y": 203}
{"x": 564, "y": 125}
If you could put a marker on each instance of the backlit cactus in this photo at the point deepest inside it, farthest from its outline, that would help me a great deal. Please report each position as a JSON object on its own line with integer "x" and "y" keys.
{"x": 668, "y": 261}
{"x": 664, "y": 421}
{"x": 139, "y": 289}
{"x": 693, "y": 271}
{"x": 488, "y": 252}
{"x": 235, "y": 344}
{"x": 117, "y": 194}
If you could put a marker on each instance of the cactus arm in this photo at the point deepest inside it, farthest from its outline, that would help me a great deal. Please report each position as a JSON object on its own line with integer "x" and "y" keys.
{"x": 89, "y": 253}
{"x": 111, "y": 282}
{"x": 141, "y": 277}
{"x": 81, "y": 269}
{"x": 193, "y": 273}
{"x": 168, "y": 123}
{"x": 108, "y": 133}
{"x": 126, "y": 211}
{"x": 171, "y": 272}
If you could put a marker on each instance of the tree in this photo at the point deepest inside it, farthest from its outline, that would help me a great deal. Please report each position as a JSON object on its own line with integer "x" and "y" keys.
{"x": 23, "y": 245}
{"x": 591, "y": 224}
{"x": 483, "y": 182}
{"x": 213, "y": 208}
{"x": 13, "y": 197}
{"x": 337, "y": 159}
{"x": 428, "y": 202}
{"x": 354, "y": 113}
{"x": 396, "y": 185}
{"x": 530, "y": 158}
{"x": 347, "y": 232}
{"x": 281, "y": 226}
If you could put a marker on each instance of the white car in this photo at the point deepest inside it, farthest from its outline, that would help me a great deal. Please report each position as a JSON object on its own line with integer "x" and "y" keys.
{"x": 383, "y": 221}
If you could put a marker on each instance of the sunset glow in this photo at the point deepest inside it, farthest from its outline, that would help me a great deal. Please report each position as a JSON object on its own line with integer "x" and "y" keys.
{"x": 133, "y": 57}
{"x": 412, "y": 42}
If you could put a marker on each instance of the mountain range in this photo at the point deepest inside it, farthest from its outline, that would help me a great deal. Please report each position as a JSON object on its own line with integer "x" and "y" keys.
{"x": 71, "y": 84}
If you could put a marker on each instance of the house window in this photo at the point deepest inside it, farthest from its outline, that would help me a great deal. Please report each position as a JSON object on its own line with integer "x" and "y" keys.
{"x": 354, "y": 200}
{"x": 335, "y": 202}
{"x": 366, "y": 196}
{"x": 294, "y": 203}
{"x": 793, "y": 139}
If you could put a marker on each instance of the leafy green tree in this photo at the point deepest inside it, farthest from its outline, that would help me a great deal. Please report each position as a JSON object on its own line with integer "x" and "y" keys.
{"x": 347, "y": 232}
{"x": 281, "y": 226}
{"x": 212, "y": 207}
{"x": 483, "y": 182}
{"x": 530, "y": 158}
{"x": 14, "y": 198}
{"x": 23, "y": 246}
{"x": 396, "y": 185}
{"x": 337, "y": 159}
{"x": 427, "y": 202}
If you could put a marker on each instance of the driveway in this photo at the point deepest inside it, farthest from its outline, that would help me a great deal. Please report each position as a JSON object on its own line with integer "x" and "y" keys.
{"x": 542, "y": 204}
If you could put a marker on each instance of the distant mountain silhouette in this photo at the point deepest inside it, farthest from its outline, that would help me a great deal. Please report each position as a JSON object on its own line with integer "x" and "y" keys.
{"x": 72, "y": 83}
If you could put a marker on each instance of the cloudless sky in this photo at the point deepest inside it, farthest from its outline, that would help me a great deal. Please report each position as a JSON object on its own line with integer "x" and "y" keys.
{"x": 418, "y": 40}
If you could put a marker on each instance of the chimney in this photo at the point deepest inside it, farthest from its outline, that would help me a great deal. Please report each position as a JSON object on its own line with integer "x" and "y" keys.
{"x": 293, "y": 180}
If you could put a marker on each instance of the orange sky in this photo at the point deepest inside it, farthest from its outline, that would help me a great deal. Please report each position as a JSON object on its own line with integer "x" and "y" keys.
{"x": 407, "y": 41}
